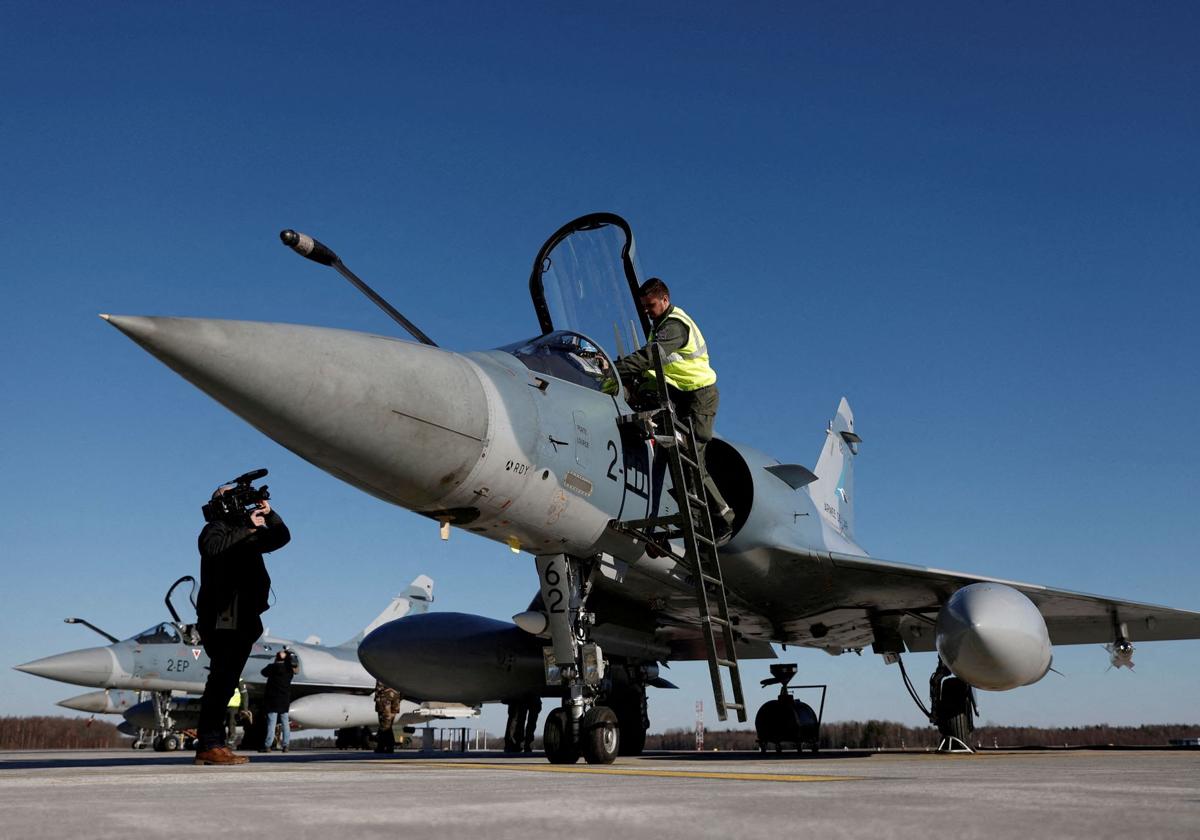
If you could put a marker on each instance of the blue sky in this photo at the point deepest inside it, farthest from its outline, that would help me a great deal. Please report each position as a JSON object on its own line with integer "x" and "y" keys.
{"x": 981, "y": 225}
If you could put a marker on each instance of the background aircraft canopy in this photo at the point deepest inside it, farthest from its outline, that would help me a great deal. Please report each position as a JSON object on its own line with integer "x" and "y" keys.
{"x": 164, "y": 633}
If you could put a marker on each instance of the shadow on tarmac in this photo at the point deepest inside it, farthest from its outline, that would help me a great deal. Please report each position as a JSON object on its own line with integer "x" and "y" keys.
{"x": 83, "y": 760}
{"x": 80, "y": 759}
{"x": 755, "y": 755}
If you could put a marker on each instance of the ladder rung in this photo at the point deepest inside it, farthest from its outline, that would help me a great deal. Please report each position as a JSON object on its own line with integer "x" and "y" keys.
{"x": 707, "y": 578}
{"x": 716, "y": 619}
{"x": 737, "y": 707}
{"x": 727, "y": 663}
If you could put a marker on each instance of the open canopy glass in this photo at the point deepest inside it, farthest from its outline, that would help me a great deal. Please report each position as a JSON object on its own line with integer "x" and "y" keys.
{"x": 585, "y": 280}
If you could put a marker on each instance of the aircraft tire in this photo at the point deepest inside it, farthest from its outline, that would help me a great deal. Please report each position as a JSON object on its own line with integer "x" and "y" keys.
{"x": 170, "y": 743}
{"x": 601, "y": 735}
{"x": 158, "y": 743}
{"x": 954, "y": 710}
{"x": 556, "y": 738}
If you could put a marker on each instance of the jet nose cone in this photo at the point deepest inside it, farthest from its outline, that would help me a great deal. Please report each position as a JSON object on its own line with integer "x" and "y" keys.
{"x": 405, "y": 422}
{"x": 89, "y": 666}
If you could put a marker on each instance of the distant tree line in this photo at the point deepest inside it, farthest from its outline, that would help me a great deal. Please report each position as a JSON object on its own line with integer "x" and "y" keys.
{"x": 59, "y": 733}
{"x": 887, "y": 734}
{"x": 55, "y": 733}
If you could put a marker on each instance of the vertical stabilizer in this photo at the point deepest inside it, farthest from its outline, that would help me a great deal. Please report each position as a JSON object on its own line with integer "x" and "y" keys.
{"x": 412, "y": 601}
{"x": 833, "y": 491}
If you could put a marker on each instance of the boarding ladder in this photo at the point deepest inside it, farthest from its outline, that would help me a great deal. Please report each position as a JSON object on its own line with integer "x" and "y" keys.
{"x": 675, "y": 439}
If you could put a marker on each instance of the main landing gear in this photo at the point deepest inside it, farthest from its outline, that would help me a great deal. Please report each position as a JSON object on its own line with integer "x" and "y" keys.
{"x": 582, "y": 725}
{"x": 952, "y": 708}
{"x": 166, "y": 736}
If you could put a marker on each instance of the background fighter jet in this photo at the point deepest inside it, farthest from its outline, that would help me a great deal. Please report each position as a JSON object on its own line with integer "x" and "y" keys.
{"x": 523, "y": 446}
{"x": 147, "y": 678}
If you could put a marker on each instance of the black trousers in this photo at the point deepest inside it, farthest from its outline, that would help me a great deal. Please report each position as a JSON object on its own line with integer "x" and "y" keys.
{"x": 227, "y": 652}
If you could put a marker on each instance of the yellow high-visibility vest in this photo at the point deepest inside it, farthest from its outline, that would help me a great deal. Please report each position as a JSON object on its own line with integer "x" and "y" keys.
{"x": 235, "y": 702}
{"x": 687, "y": 369}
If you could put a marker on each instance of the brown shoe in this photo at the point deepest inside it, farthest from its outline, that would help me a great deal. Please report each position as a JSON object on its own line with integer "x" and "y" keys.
{"x": 221, "y": 756}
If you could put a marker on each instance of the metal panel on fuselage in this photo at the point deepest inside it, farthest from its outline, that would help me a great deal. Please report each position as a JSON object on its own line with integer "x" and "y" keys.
{"x": 555, "y": 470}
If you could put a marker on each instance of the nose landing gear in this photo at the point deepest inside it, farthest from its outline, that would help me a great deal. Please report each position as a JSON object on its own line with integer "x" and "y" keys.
{"x": 581, "y": 726}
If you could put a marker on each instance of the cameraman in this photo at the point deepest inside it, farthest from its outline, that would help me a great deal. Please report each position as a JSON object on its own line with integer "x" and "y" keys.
{"x": 234, "y": 588}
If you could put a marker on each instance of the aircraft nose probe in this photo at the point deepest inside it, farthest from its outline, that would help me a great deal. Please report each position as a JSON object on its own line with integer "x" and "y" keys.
{"x": 313, "y": 249}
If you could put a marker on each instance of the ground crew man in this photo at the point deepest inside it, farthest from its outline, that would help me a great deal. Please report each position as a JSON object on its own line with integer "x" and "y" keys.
{"x": 514, "y": 726}
{"x": 387, "y": 706}
{"x": 691, "y": 381}
{"x": 231, "y": 712}
{"x": 533, "y": 708}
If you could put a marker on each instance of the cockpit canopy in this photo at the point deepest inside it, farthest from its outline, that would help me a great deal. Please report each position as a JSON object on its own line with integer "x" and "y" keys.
{"x": 566, "y": 355}
{"x": 159, "y": 634}
{"x": 584, "y": 282}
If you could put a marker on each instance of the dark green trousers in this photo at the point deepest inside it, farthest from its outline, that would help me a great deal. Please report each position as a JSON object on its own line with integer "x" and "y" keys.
{"x": 700, "y": 407}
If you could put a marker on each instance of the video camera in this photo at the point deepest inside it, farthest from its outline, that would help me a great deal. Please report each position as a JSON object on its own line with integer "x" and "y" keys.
{"x": 236, "y": 503}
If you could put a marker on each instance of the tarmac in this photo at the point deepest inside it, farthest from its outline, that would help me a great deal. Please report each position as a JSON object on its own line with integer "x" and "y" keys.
{"x": 344, "y": 795}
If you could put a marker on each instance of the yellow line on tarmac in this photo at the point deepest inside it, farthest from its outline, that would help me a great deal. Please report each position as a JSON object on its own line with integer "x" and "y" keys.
{"x": 619, "y": 770}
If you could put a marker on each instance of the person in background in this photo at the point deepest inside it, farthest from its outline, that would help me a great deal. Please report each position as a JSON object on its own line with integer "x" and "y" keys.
{"x": 277, "y": 698}
{"x": 387, "y": 706}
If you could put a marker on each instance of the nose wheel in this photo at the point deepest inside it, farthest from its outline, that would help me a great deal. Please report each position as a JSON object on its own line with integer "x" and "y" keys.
{"x": 560, "y": 747}
{"x": 600, "y": 735}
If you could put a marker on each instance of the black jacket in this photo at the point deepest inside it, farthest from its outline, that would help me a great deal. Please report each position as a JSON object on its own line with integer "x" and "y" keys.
{"x": 278, "y": 694}
{"x": 231, "y": 566}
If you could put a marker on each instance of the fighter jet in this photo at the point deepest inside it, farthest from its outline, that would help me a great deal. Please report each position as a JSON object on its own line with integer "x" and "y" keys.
{"x": 148, "y": 677}
{"x": 532, "y": 446}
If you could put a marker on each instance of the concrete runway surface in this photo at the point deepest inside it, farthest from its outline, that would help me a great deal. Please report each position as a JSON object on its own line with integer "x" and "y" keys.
{"x": 340, "y": 795}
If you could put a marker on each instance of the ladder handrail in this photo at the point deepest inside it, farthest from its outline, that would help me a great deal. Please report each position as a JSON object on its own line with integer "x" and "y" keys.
{"x": 700, "y": 549}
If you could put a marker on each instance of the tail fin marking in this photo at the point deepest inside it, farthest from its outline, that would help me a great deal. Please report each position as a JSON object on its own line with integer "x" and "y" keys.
{"x": 833, "y": 491}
